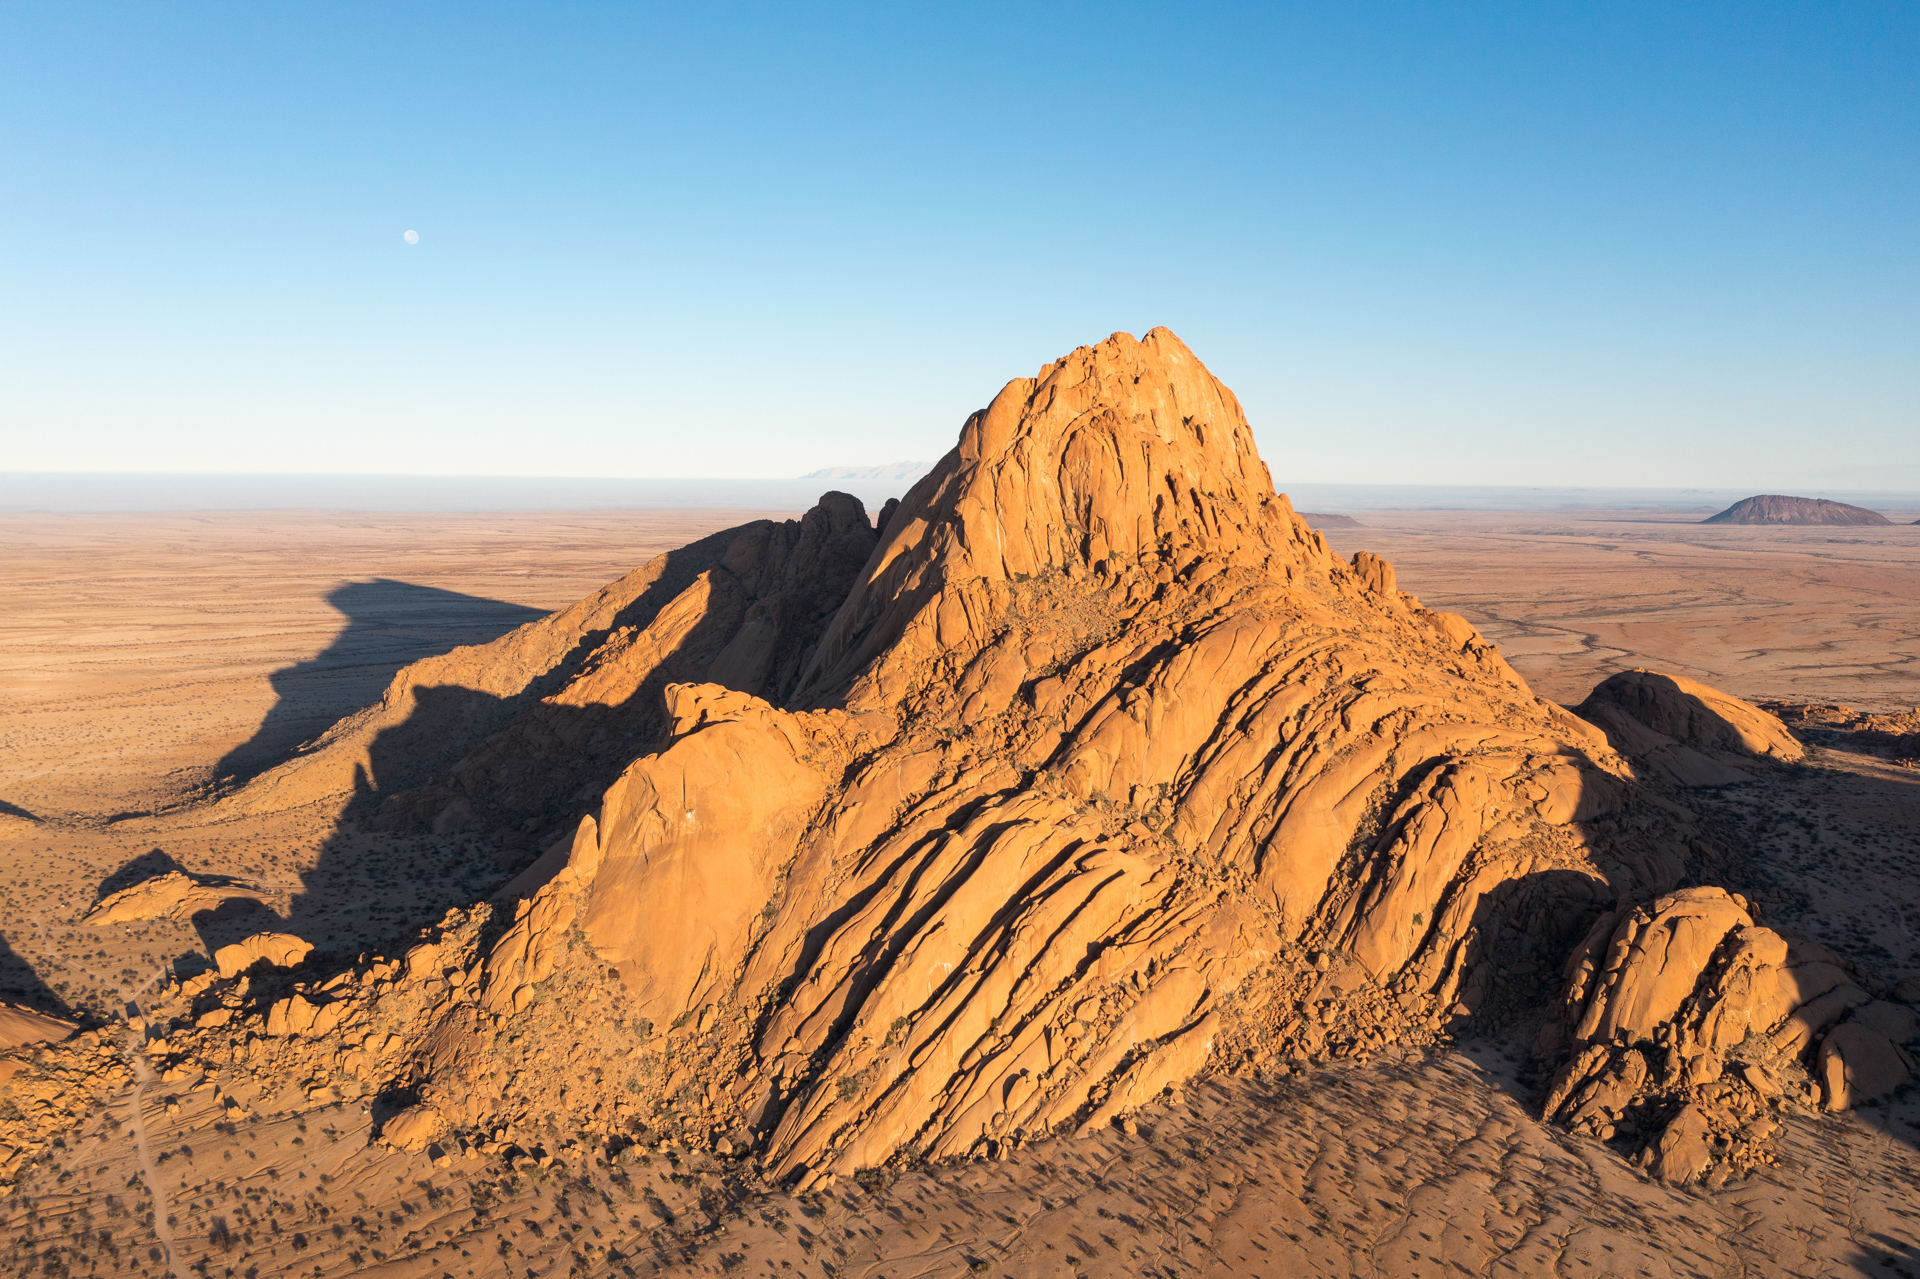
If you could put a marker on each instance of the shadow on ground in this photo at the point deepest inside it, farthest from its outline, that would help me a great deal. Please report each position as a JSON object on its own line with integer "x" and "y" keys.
{"x": 19, "y": 984}
{"x": 388, "y": 625}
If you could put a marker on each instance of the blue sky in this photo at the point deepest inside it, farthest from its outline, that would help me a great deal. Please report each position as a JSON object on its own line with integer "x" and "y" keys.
{"x": 1499, "y": 243}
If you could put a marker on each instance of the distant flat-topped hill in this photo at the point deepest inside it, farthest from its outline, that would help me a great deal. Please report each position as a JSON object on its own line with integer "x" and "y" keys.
{"x": 1323, "y": 520}
{"x": 1771, "y": 508}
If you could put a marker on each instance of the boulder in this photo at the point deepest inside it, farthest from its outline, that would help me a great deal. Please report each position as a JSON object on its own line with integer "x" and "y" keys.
{"x": 1683, "y": 1152}
{"x": 1858, "y": 1064}
{"x": 173, "y": 895}
{"x": 1898, "y": 1022}
{"x": 1654, "y": 962}
{"x": 412, "y": 1129}
{"x": 1684, "y": 731}
{"x": 1725, "y": 1006}
{"x": 281, "y": 950}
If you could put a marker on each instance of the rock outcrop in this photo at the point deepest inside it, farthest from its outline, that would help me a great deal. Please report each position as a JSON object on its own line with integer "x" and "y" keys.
{"x": 1088, "y": 769}
{"x": 279, "y": 950}
{"x": 1772, "y": 508}
{"x": 1686, "y": 1018}
{"x": 745, "y": 622}
{"x": 516, "y": 738}
{"x": 20, "y": 1027}
{"x": 1684, "y": 731}
{"x": 52, "y": 1076}
{"x": 172, "y": 895}
{"x": 1097, "y": 769}
{"x": 1892, "y": 735}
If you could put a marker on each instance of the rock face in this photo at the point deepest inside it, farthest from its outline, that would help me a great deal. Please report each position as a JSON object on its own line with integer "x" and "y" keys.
{"x": 282, "y": 950}
{"x": 521, "y": 735}
{"x": 1684, "y": 731}
{"x": 1095, "y": 769}
{"x": 745, "y": 622}
{"x": 1772, "y": 508}
{"x": 1687, "y": 1002}
{"x": 1859, "y": 1064}
{"x": 172, "y": 895}
{"x": 1088, "y": 769}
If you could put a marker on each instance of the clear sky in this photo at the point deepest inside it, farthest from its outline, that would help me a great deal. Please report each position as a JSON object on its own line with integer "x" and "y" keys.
{"x": 1660, "y": 244}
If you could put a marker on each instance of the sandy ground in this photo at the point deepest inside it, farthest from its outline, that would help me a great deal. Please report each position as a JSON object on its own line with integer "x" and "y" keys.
{"x": 1819, "y": 614}
{"x": 144, "y": 658}
{"x": 1396, "y": 1168}
{"x": 140, "y": 653}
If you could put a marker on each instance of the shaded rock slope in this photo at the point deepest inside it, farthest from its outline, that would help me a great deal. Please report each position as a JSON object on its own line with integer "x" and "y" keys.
{"x": 518, "y": 737}
{"x": 1685, "y": 732}
{"x": 1773, "y": 508}
{"x": 1089, "y": 769}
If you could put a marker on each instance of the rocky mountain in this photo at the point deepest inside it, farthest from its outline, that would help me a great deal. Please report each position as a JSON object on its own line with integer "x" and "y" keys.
{"x": 1087, "y": 769}
{"x": 1771, "y": 508}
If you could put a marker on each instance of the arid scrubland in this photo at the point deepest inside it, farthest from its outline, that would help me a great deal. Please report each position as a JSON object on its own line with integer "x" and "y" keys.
{"x": 1077, "y": 867}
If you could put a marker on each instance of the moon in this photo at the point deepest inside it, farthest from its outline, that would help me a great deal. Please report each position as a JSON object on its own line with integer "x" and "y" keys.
{"x": 411, "y": 237}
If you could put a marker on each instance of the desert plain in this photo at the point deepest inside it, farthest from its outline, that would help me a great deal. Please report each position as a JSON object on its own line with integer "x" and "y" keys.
{"x": 149, "y": 659}
{"x": 173, "y": 682}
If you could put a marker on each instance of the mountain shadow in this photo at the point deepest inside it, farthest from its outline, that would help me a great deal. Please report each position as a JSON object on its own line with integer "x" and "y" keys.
{"x": 20, "y": 984}
{"x": 476, "y": 767}
{"x": 389, "y": 624}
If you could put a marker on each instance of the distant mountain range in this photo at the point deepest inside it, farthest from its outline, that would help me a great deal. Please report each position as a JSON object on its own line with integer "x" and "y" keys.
{"x": 890, "y": 471}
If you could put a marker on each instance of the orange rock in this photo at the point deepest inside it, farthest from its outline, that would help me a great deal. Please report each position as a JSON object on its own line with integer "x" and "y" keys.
{"x": 1101, "y": 587}
{"x": 1682, "y": 1153}
{"x": 1858, "y": 1064}
{"x": 1001, "y": 819}
{"x": 282, "y": 950}
{"x": 1685, "y": 731}
{"x": 413, "y": 1128}
{"x": 22, "y": 1026}
{"x": 704, "y": 826}
{"x": 1654, "y": 962}
{"x": 173, "y": 895}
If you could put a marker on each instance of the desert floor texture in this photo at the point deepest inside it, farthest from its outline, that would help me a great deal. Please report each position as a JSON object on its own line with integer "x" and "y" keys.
{"x": 147, "y": 659}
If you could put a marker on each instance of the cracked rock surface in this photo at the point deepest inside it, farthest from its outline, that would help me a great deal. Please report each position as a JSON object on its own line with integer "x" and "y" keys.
{"x": 1079, "y": 837}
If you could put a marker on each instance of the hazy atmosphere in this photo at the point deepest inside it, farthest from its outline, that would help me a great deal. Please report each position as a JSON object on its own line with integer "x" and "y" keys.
{"x": 1623, "y": 245}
